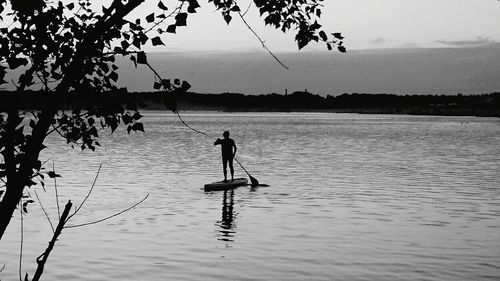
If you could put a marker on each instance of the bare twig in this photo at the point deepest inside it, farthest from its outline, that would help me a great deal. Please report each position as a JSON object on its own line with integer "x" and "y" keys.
{"x": 185, "y": 124}
{"x": 64, "y": 218}
{"x": 57, "y": 196}
{"x": 154, "y": 71}
{"x": 56, "y": 129}
{"x": 88, "y": 194}
{"x": 157, "y": 75}
{"x": 248, "y": 8}
{"x": 262, "y": 42}
{"x": 109, "y": 217}
{"x": 45, "y": 212}
{"x": 22, "y": 241}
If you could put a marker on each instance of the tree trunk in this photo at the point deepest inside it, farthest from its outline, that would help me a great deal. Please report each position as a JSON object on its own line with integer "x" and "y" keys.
{"x": 8, "y": 206}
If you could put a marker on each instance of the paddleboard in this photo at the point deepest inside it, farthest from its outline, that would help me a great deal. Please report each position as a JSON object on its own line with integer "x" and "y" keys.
{"x": 221, "y": 185}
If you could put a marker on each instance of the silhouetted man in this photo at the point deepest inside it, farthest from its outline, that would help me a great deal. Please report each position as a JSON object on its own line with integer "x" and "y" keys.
{"x": 228, "y": 153}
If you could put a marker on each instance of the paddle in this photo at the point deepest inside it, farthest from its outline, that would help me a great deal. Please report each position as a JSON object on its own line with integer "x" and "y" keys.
{"x": 254, "y": 181}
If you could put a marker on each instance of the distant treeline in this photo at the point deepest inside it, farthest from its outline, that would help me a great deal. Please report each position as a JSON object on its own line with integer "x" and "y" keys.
{"x": 477, "y": 105}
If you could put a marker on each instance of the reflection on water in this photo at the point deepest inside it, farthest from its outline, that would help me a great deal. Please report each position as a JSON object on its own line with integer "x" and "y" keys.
{"x": 351, "y": 197}
{"x": 226, "y": 224}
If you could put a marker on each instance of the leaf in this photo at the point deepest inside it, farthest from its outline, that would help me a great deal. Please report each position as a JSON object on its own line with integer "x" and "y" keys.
{"x": 127, "y": 119}
{"x": 227, "y": 17}
{"x": 93, "y": 132}
{"x": 342, "y": 49}
{"x": 141, "y": 58}
{"x": 338, "y": 35}
{"x": 139, "y": 127}
{"x": 185, "y": 86}
{"x": 301, "y": 42}
{"x": 143, "y": 37}
{"x": 125, "y": 45}
{"x": 315, "y": 25}
{"x": 318, "y": 13}
{"x": 171, "y": 28}
{"x": 150, "y": 18}
{"x": 323, "y": 36}
{"x": 113, "y": 76}
{"x": 70, "y": 6}
{"x": 162, "y": 6}
{"x": 137, "y": 42}
{"x": 194, "y": 3}
{"x": 134, "y": 60}
{"x": 157, "y": 41}
{"x": 112, "y": 123}
{"x": 166, "y": 83}
{"x": 137, "y": 116}
{"x": 136, "y": 127}
{"x": 52, "y": 175}
{"x": 180, "y": 19}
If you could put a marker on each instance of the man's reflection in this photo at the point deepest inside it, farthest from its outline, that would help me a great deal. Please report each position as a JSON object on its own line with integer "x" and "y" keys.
{"x": 226, "y": 224}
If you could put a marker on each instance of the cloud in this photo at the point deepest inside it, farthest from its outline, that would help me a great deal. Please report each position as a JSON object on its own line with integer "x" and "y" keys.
{"x": 378, "y": 41}
{"x": 468, "y": 70}
{"x": 480, "y": 41}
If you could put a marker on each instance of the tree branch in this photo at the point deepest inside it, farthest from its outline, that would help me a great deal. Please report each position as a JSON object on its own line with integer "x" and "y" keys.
{"x": 176, "y": 10}
{"x": 42, "y": 259}
{"x": 109, "y": 217}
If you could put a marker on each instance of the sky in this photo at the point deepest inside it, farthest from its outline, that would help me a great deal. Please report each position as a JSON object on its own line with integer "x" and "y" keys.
{"x": 394, "y": 46}
{"x": 366, "y": 24}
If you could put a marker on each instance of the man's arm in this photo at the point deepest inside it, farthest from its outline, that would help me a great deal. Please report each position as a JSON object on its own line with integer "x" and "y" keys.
{"x": 235, "y": 148}
{"x": 217, "y": 142}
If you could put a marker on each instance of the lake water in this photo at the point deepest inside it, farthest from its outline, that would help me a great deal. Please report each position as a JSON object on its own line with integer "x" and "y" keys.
{"x": 350, "y": 197}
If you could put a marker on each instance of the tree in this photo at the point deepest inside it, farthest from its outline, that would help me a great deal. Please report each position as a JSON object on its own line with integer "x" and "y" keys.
{"x": 70, "y": 49}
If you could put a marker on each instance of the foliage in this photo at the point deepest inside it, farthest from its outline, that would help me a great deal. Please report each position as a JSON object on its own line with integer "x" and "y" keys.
{"x": 70, "y": 48}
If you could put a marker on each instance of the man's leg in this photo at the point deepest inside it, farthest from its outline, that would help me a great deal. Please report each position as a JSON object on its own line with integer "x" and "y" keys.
{"x": 231, "y": 168}
{"x": 224, "y": 168}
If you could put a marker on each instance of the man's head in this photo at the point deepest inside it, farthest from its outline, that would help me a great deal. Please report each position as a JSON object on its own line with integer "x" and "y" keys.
{"x": 226, "y": 134}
